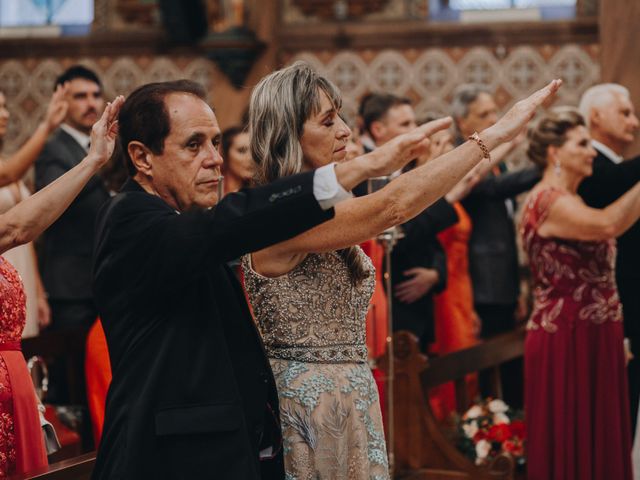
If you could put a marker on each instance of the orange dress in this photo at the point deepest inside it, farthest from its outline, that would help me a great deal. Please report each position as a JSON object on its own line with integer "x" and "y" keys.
{"x": 456, "y": 321}
{"x": 377, "y": 316}
{"x": 98, "y": 374}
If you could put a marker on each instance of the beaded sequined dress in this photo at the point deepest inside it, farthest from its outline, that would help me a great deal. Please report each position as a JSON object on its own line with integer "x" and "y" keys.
{"x": 21, "y": 440}
{"x": 313, "y": 325}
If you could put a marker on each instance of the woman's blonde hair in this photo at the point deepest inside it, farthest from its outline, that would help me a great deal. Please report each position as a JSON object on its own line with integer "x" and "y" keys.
{"x": 551, "y": 129}
{"x": 280, "y": 105}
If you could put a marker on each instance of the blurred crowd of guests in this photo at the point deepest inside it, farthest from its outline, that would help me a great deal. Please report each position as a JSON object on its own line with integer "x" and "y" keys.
{"x": 456, "y": 272}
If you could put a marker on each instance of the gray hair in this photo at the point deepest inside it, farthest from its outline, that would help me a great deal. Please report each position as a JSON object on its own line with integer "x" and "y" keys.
{"x": 280, "y": 105}
{"x": 599, "y": 96}
{"x": 465, "y": 95}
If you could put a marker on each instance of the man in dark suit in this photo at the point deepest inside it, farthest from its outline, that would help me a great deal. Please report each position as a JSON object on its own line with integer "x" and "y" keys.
{"x": 418, "y": 263}
{"x": 192, "y": 394}
{"x": 65, "y": 253}
{"x": 493, "y": 258}
{"x": 612, "y": 122}
{"x": 493, "y": 255}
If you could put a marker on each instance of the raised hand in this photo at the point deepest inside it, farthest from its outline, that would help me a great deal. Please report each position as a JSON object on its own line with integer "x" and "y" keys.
{"x": 396, "y": 153}
{"x": 519, "y": 115}
{"x": 57, "y": 108}
{"x": 105, "y": 131}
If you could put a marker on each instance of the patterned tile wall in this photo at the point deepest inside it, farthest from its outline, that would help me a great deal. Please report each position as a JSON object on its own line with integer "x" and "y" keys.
{"x": 429, "y": 76}
{"x": 28, "y": 83}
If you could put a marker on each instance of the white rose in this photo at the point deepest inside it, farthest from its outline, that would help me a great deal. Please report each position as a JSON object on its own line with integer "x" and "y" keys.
{"x": 473, "y": 412}
{"x": 470, "y": 429}
{"x": 500, "y": 418}
{"x": 497, "y": 406}
{"x": 483, "y": 447}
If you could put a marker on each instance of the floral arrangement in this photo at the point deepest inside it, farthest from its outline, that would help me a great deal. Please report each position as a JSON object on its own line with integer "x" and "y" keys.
{"x": 490, "y": 428}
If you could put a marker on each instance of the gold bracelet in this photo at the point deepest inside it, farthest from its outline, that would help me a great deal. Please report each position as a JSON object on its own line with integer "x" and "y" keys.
{"x": 485, "y": 151}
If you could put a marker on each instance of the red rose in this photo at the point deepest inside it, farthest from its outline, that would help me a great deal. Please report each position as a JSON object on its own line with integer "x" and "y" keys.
{"x": 499, "y": 433}
{"x": 518, "y": 429}
{"x": 480, "y": 435}
{"x": 515, "y": 448}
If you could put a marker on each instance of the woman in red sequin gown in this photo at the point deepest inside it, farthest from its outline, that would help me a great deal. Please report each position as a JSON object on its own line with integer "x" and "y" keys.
{"x": 21, "y": 440}
{"x": 575, "y": 380}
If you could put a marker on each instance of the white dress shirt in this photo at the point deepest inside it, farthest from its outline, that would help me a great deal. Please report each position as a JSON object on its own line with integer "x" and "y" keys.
{"x": 607, "y": 152}
{"x": 82, "y": 138}
{"x": 327, "y": 189}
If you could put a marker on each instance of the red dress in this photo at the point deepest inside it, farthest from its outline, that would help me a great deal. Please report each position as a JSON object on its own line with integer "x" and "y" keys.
{"x": 21, "y": 440}
{"x": 576, "y": 399}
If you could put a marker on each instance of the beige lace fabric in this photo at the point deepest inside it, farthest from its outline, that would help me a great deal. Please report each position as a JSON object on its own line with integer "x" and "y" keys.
{"x": 313, "y": 325}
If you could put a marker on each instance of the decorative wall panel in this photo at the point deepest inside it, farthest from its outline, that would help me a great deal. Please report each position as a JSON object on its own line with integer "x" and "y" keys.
{"x": 429, "y": 76}
{"x": 28, "y": 83}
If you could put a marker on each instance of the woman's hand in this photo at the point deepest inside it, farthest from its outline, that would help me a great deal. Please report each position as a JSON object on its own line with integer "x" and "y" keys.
{"x": 518, "y": 116}
{"x": 57, "y": 108}
{"x": 104, "y": 133}
{"x": 396, "y": 153}
{"x": 44, "y": 311}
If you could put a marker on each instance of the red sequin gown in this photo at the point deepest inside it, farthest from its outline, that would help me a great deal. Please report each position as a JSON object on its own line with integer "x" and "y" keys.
{"x": 21, "y": 440}
{"x": 576, "y": 399}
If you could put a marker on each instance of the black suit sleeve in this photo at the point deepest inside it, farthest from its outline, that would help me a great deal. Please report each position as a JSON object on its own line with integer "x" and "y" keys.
{"x": 166, "y": 249}
{"x": 609, "y": 181}
{"x": 507, "y": 185}
{"x": 426, "y": 225}
{"x": 51, "y": 165}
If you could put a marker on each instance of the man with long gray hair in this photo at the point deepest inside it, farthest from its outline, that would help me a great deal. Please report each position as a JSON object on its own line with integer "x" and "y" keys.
{"x": 612, "y": 122}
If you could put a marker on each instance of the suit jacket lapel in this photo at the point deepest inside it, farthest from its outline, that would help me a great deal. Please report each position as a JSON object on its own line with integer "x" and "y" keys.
{"x": 76, "y": 151}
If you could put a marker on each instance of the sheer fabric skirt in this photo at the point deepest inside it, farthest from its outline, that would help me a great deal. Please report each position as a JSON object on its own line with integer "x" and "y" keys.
{"x": 331, "y": 421}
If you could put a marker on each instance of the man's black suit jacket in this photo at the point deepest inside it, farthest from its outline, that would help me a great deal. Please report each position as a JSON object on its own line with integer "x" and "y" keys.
{"x": 608, "y": 182}
{"x": 192, "y": 394}
{"x": 65, "y": 254}
{"x": 420, "y": 248}
{"x": 493, "y": 256}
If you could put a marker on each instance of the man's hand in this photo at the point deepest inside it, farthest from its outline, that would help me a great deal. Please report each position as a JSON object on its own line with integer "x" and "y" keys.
{"x": 421, "y": 282}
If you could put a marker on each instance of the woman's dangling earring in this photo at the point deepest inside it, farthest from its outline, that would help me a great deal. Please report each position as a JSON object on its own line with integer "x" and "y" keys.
{"x": 557, "y": 168}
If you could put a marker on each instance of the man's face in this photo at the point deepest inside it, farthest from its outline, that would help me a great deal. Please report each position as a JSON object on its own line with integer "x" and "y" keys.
{"x": 85, "y": 104}
{"x": 483, "y": 113}
{"x": 615, "y": 122}
{"x": 398, "y": 120}
{"x": 186, "y": 174}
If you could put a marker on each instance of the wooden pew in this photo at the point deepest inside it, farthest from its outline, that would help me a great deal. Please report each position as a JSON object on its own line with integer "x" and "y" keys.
{"x": 423, "y": 449}
{"x": 77, "y": 468}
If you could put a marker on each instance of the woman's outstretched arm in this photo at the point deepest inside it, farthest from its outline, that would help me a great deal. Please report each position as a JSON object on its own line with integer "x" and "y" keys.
{"x": 28, "y": 219}
{"x": 361, "y": 218}
{"x": 14, "y": 167}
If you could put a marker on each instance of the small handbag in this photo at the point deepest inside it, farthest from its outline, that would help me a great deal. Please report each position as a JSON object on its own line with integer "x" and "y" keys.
{"x": 40, "y": 377}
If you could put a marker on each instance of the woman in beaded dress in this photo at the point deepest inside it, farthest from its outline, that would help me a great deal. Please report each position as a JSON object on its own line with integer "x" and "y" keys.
{"x": 21, "y": 439}
{"x": 576, "y": 398}
{"x": 310, "y": 294}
